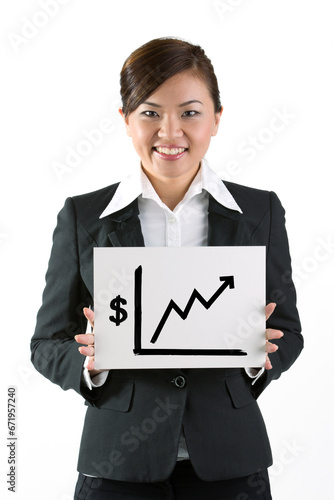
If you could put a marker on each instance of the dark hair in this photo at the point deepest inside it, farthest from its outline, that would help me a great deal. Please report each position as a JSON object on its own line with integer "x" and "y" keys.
{"x": 154, "y": 62}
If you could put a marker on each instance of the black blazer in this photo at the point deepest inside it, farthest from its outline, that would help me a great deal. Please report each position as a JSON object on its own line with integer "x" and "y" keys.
{"x": 133, "y": 422}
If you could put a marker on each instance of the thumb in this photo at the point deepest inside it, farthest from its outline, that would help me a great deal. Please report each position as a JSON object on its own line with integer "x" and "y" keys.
{"x": 270, "y": 308}
{"x": 89, "y": 314}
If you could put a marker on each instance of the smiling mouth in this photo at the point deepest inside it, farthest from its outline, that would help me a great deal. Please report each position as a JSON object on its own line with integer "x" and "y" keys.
{"x": 170, "y": 152}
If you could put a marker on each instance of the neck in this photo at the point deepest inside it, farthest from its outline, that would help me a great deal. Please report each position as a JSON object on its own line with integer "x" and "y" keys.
{"x": 172, "y": 190}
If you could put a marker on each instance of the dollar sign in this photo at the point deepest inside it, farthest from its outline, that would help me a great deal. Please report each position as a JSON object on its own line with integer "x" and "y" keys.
{"x": 121, "y": 313}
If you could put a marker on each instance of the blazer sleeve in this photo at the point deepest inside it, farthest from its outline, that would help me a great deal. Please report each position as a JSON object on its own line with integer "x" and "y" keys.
{"x": 280, "y": 289}
{"x": 54, "y": 352}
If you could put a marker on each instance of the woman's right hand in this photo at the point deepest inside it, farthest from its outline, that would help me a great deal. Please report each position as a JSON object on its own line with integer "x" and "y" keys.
{"x": 88, "y": 339}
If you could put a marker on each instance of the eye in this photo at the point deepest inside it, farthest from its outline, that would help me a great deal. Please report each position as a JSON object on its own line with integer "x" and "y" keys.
{"x": 190, "y": 113}
{"x": 152, "y": 114}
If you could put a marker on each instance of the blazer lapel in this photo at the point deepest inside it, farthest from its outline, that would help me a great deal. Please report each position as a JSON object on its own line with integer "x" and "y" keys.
{"x": 225, "y": 226}
{"x": 127, "y": 232}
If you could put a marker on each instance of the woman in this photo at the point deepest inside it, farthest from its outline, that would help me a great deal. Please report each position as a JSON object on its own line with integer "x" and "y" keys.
{"x": 209, "y": 439}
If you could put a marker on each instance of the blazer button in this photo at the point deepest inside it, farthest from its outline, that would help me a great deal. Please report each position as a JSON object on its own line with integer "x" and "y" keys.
{"x": 179, "y": 381}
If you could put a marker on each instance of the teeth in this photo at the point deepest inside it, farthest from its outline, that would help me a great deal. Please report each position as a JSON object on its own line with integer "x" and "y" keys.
{"x": 173, "y": 151}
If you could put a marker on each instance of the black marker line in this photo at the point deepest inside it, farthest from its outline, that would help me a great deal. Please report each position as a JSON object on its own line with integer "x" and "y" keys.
{"x": 228, "y": 282}
{"x": 138, "y": 309}
{"x": 193, "y": 352}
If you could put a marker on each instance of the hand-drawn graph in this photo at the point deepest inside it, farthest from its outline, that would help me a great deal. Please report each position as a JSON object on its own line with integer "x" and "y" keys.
{"x": 228, "y": 282}
{"x": 194, "y": 307}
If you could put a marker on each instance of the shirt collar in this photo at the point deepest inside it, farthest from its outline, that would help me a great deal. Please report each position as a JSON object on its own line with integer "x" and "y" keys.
{"x": 137, "y": 183}
{"x": 215, "y": 186}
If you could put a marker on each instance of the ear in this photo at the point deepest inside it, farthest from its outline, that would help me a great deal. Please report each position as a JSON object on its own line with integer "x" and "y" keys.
{"x": 216, "y": 122}
{"x": 126, "y": 121}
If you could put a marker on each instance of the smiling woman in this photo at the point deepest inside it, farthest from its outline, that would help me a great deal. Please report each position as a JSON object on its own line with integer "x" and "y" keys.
{"x": 184, "y": 434}
{"x": 171, "y": 108}
{"x": 171, "y": 134}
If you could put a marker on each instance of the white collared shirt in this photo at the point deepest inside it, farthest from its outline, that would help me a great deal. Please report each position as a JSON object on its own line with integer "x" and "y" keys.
{"x": 187, "y": 224}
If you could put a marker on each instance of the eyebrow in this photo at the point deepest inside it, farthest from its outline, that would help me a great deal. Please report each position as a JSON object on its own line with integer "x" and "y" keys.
{"x": 148, "y": 103}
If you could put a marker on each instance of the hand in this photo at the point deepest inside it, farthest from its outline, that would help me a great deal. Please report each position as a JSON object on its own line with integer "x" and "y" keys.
{"x": 88, "y": 339}
{"x": 270, "y": 335}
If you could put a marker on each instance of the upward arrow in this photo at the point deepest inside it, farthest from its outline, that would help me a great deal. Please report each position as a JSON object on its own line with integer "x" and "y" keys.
{"x": 228, "y": 282}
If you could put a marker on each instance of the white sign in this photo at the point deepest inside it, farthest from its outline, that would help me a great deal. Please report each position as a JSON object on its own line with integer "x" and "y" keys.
{"x": 184, "y": 307}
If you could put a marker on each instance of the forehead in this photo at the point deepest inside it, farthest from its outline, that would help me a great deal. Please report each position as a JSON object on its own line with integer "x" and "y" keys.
{"x": 182, "y": 87}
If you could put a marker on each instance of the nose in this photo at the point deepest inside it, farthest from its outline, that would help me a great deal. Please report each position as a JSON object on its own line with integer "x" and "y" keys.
{"x": 170, "y": 128}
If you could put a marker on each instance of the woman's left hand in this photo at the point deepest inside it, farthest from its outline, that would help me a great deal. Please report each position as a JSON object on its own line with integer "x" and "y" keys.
{"x": 270, "y": 335}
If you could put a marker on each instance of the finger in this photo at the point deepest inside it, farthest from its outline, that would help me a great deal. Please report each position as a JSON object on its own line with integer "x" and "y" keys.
{"x": 270, "y": 308}
{"x": 268, "y": 365}
{"x": 89, "y": 314}
{"x": 273, "y": 334}
{"x": 91, "y": 363}
{"x": 85, "y": 338}
{"x": 271, "y": 347}
{"x": 86, "y": 350}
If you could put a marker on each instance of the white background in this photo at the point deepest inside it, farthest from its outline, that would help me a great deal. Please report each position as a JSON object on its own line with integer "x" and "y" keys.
{"x": 63, "y": 78}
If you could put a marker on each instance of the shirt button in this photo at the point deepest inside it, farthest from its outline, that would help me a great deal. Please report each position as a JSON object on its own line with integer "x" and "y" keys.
{"x": 180, "y": 382}
{"x": 171, "y": 220}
